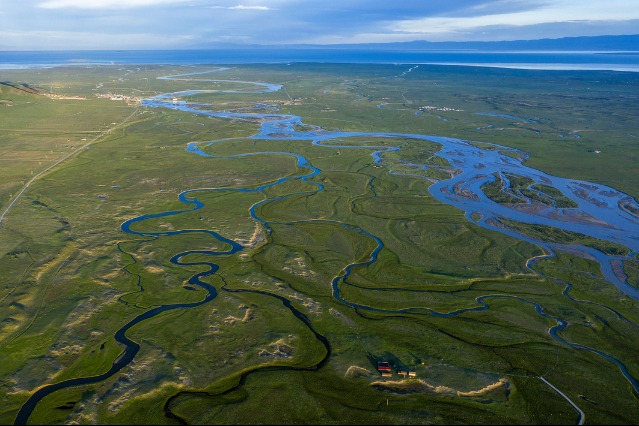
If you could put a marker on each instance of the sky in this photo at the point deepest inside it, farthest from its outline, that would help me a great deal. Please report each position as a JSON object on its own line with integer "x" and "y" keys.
{"x": 188, "y": 24}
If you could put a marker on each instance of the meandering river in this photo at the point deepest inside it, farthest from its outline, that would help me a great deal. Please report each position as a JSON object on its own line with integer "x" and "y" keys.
{"x": 602, "y": 212}
{"x": 599, "y": 212}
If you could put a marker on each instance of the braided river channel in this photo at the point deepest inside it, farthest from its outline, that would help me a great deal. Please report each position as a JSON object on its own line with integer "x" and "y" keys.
{"x": 596, "y": 211}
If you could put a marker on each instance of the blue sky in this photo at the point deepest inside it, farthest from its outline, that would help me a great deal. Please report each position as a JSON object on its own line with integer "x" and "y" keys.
{"x": 175, "y": 24}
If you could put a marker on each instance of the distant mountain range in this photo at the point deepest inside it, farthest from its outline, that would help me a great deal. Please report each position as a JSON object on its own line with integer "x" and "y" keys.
{"x": 599, "y": 43}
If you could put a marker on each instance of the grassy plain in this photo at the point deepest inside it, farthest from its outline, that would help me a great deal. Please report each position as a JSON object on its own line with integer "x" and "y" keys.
{"x": 72, "y": 278}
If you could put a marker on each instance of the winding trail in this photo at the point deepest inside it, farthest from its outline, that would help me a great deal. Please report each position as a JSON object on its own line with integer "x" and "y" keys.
{"x": 602, "y": 213}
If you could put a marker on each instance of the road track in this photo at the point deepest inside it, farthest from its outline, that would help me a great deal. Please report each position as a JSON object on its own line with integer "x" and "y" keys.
{"x": 582, "y": 415}
{"x": 63, "y": 159}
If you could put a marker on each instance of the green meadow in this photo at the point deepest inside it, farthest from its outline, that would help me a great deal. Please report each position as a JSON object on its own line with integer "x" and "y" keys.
{"x": 446, "y": 299}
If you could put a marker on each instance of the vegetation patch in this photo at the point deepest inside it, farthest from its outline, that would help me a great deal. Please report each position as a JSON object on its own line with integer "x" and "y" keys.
{"x": 550, "y": 234}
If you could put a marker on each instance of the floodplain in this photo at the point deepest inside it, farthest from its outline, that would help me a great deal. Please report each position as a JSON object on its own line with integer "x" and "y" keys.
{"x": 275, "y": 295}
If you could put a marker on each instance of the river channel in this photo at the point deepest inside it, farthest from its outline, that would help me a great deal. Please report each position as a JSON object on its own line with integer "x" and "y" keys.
{"x": 599, "y": 212}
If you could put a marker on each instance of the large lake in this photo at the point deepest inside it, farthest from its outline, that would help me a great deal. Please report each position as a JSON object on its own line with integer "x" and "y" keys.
{"x": 613, "y": 61}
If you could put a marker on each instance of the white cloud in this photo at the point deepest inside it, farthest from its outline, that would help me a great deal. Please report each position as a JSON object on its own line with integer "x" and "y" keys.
{"x": 242, "y": 7}
{"x": 104, "y": 4}
{"x": 297, "y": 21}
{"x": 65, "y": 40}
{"x": 559, "y": 11}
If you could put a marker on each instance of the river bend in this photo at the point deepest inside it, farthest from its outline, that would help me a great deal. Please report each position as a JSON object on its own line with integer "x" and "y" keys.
{"x": 601, "y": 212}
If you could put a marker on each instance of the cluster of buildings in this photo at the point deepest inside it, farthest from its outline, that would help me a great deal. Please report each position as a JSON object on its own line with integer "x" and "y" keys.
{"x": 386, "y": 370}
{"x": 118, "y": 97}
{"x": 292, "y": 101}
{"x": 56, "y": 96}
{"x": 435, "y": 108}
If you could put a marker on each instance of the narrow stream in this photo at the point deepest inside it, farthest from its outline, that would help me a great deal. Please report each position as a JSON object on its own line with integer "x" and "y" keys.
{"x": 601, "y": 212}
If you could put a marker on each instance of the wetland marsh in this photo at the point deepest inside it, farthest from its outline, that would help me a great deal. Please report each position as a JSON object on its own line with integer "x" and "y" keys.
{"x": 243, "y": 257}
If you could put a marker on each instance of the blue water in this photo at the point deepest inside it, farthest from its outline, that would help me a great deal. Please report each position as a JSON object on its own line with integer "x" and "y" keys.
{"x": 600, "y": 213}
{"x": 529, "y": 60}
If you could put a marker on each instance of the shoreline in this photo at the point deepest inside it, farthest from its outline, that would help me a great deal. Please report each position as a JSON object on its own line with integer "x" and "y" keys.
{"x": 511, "y": 66}
{"x": 617, "y": 61}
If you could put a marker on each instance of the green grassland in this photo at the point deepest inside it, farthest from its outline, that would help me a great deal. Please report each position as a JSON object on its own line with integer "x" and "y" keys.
{"x": 72, "y": 278}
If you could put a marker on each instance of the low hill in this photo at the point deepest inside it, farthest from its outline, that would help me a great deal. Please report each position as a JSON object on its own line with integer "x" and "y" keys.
{"x": 7, "y": 87}
{"x": 10, "y": 91}
{"x": 586, "y": 43}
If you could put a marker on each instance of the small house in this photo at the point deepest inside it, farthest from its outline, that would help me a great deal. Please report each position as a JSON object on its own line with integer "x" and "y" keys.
{"x": 384, "y": 367}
